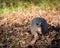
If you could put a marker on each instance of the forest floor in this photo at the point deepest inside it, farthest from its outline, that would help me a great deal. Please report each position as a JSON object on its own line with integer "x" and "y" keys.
{"x": 15, "y": 29}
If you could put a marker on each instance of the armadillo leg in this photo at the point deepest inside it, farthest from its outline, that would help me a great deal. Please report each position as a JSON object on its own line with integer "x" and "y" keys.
{"x": 35, "y": 38}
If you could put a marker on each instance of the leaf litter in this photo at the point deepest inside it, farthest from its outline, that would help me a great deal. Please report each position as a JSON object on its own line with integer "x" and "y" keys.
{"x": 15, "y": 29}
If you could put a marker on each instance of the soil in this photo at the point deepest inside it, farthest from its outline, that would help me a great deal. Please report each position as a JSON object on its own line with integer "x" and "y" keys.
{"x": 15, "y": 29}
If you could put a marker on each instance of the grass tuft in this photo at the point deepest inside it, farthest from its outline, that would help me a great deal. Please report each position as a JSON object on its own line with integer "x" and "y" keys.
{"x": 15, "y": 5}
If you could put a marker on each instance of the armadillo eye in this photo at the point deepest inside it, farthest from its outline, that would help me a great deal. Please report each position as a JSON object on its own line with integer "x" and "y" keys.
{"x": 37, "y": 24}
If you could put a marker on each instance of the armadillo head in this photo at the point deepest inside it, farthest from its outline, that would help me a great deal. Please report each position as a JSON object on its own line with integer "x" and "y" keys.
{"x": 39, "y": 28}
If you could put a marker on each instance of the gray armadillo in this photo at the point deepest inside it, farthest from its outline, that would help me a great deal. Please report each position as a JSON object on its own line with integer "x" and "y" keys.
{"x": 38, "y": 25}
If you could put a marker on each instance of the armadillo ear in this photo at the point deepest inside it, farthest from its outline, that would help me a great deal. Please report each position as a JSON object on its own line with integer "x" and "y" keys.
{"x": 40, "y": 23}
